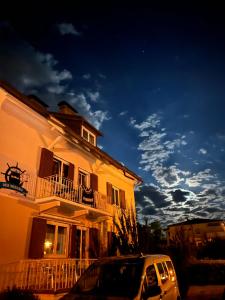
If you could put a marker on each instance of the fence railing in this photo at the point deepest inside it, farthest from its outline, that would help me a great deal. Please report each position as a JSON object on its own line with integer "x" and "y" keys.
{"x": 44, "y": 275}
{"x": 64, "y": 188}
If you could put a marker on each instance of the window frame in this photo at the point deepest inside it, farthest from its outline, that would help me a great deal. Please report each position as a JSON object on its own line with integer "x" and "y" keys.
{"x": 89, "y": 133}
{"x": 54, "y": 254}
{"x": 87, "y": 176}
{"x": 114, "y": 190}
{"x": 62, "y": 163}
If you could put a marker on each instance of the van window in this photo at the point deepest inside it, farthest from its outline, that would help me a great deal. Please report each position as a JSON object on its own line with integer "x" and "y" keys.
{"x": 151, "y": 276}
{"x": 117, "y": 279}
{"x": 163, "y": 272}
{"x": 171, "y": 270}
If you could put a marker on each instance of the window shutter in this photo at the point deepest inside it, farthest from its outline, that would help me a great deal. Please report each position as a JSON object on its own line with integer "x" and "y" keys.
{"x": 37, "y": 238}
{"x": 46, "y": 163}
{"x": 73, "y": 246}
{"x": 122, "y": 199}
{"x": 71, "y": 172}
{"x": 94, "y": 247}
{"x": 94, "y": 181}
{"x": 109, "y": 192}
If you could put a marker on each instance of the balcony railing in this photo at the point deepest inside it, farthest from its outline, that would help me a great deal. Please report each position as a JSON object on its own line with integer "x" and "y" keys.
{"x": 44, "y": 275}
{"x": 64, "y": 188}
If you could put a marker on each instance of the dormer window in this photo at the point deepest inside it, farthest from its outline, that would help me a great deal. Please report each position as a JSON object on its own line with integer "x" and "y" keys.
{"x": 88, "y": 136}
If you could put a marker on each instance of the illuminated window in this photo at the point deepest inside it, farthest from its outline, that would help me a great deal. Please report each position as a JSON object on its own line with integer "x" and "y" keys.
{"x": 88, "y": 136}
{"x": 56, "y": 239}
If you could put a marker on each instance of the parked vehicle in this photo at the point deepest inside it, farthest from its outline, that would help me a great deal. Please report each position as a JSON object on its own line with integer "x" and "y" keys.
{"x": 138, "y": 277}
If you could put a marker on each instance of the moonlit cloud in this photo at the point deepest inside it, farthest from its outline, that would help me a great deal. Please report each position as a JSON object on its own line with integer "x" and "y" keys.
{"x": 40, "y": 73}
{"x": 202, "y": 151}
{"x": 123, "y": 113}
{"x": 94, "y": 96}
{"x": 68, "y": 28}
{"x": 186, "y": 193}
{"x": 86, "y": 76}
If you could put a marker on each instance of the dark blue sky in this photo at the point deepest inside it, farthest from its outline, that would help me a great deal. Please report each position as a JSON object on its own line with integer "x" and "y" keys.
{"x": 150, "y": 77}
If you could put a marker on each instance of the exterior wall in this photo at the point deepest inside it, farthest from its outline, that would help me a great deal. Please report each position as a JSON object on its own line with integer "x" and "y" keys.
{"x": 16, "y": 217}
{"x": 23, "y": 134}
{"x": 197, "y": 233}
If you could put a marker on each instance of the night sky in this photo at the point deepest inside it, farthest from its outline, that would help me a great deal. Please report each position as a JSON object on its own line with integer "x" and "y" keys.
{"x": 150, "y": 77}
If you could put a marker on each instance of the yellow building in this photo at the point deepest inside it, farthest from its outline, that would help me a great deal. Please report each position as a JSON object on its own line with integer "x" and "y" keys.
{"x": 196, "y": 231}
{"x": 59, "y": 192}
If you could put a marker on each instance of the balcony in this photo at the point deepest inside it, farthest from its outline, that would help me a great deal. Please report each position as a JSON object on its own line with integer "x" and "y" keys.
{"x": 43, "y": 275}
{"x": 56, "y": 193}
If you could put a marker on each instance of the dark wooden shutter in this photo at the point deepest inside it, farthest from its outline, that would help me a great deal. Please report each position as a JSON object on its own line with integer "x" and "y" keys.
{"x": 71, "y": 172}
{"x": 109, "y": 191}
{"x": 37, "y": 238}
{"x": 73, "y": 246}
{"x": 46, "y": 163}
{"x": 94, "y": 243}
{"x": 94, "y": 181}
{"x": 122, "y": 199}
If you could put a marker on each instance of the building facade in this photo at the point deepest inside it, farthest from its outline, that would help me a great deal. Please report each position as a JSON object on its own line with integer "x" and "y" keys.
{"x": 196, "y": 231}
{"x": 59, "y": 192}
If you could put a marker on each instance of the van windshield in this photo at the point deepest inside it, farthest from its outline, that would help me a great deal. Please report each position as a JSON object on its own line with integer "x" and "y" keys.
{"x": 119, "y": 279}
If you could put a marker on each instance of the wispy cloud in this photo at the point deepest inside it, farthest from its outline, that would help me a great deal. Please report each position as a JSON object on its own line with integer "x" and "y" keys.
{"x": 123, "y": 113}
{"x": 86, "y": 76}
{"x": 94, "y": 96}
{"x": 68, "y": 28}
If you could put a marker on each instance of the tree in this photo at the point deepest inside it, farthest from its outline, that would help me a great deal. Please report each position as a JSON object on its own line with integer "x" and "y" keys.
{"x": 126, "y": 237}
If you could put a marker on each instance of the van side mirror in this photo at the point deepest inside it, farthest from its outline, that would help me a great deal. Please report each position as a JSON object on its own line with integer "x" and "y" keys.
{"x": 152, "y": 291}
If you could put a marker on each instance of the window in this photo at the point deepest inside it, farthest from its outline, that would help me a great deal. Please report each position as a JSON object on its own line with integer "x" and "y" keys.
{"x": 171, "y": 270}
{"x": 83, "y": 178}
{"x": 151, "y": 276}
{"x": 115, "y": 196}
{"x": 163, "y": 272}
{"x": 60, "y": 168}
{"x": 88, "y": 136}
{"x": 56, "y": 239}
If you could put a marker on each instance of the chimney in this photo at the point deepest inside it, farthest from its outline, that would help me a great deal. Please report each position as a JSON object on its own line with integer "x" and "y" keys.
{"x": 66, "y": 108}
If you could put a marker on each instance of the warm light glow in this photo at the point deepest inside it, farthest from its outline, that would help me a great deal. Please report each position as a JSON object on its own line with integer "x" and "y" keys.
{"x": 48, "y": 244}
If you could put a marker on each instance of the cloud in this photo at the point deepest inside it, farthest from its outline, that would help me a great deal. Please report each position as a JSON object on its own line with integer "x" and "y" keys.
{"x": 86, "y": 76}
{"x": 95, "y": 117}
{"x": 94, "y": 96}
{"x": 179, "y": 196}
{"x": 202, "y": 151}
{"x": 198, "y": 178}
{"x": 32, "y": 71}
{"x": 123, "y": 113}
{"x": 67, "y": 28}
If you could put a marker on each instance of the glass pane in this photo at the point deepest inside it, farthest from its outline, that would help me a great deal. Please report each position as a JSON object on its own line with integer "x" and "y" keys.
{"x": 49, "y": 239}
{"x": 82, "y": 179}
{"x": 56, "y": 167}
{"x": 83, "y": 246}
{"x": 61, "y": 242}
{"x": 85, "y": 134}
{"x": 77, "y": 242}
{"x": 65, "y": 171}
{"x": 91, "y": 139}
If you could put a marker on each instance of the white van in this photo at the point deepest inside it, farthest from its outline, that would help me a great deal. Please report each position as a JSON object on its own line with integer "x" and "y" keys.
{"x": 138, "y": 277}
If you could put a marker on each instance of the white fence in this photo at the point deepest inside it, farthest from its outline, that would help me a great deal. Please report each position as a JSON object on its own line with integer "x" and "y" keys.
{"x": 44, "y": 275}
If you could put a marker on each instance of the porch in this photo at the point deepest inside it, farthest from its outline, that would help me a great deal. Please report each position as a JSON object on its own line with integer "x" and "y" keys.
{"x": 43, "y": 275}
